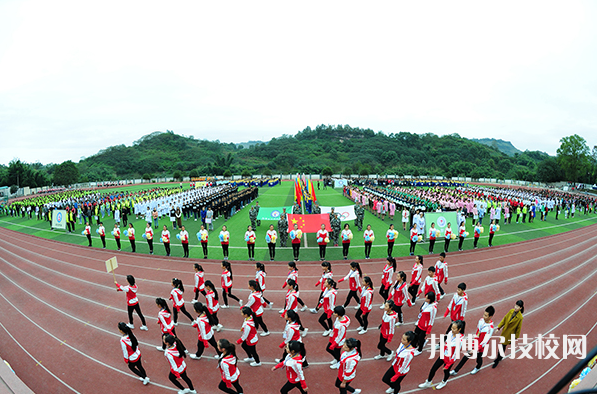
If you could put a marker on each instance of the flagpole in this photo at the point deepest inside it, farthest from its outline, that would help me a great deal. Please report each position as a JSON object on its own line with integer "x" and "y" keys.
{"x": 303, "y": 211}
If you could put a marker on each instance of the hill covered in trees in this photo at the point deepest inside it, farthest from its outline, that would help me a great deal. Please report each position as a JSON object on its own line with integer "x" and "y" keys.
{"x": 501, "y": 145}
{"x": 323, "y": 150}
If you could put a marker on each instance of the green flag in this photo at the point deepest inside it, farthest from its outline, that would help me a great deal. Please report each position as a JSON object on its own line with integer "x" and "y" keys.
{"x": 268, "y": 213}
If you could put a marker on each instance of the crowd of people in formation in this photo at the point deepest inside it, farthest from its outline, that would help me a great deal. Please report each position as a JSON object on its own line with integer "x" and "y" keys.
{"x": 397, "y": 344}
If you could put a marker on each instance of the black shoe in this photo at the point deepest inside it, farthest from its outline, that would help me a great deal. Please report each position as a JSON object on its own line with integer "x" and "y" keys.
{"x": 495, "y": 363}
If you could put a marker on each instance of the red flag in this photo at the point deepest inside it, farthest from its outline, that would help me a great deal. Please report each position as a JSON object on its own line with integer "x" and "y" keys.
{"x": 309, "y": 223}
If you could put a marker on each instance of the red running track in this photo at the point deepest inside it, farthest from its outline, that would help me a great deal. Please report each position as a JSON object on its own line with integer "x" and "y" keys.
{"x": 60, "y": 310}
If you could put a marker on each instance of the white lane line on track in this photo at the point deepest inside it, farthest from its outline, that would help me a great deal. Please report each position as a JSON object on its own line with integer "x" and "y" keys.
{"x": 37, "y": 361}
{"x": 97, "y": 238}
{"x": 79, "y": 351}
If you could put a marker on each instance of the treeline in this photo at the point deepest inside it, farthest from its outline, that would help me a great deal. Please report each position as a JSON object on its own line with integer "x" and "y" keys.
{"x": 324, "y": 150}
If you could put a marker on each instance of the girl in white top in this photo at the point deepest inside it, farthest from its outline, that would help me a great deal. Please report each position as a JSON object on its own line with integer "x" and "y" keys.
{"x": 131, "y": 352}
{"x": 447, "y": 359}
{"x": 224, "y": 241}
{"x": 369, "y": 236}
{"x": 203, "y": 237}
{"x": 260, "y": 278}
{"x": 346, "y": 237}
{"x": 270, "y": 236}
{"x": 250, "y": 240}
{"x": 321, "y": 237}
{"x": 166, "y": 239}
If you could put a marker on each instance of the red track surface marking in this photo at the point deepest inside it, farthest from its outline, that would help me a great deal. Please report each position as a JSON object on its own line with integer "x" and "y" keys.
{"x": 60, "y": 309}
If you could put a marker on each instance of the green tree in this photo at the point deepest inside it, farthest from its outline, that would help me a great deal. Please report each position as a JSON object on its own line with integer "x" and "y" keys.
{"x": 327, "y": 171}
{"x": 549, "y": 170}
{"x": 573, "y": 156}
{"x": 146, "y": 176}
{"x": 177, "y": 175}
{"x": 227, "y": 173}
{"x": 347, "y": 171}
{"x": 246, "y": 173}
{"x": 266, "y": 171}
{"x": 66, "y": 173}
{"x": 364, "y": 171}
{"x": 194, "y": 173}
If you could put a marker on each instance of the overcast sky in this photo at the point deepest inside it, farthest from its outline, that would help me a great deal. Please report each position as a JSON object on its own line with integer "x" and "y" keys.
{"x": 79, "y": 76}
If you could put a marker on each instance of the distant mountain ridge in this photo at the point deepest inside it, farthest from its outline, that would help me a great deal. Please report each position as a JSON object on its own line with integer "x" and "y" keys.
{"x": 501, "y": 145}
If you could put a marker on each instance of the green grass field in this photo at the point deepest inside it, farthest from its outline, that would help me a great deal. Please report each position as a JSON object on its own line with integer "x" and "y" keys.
{"x": 282, "y": 195}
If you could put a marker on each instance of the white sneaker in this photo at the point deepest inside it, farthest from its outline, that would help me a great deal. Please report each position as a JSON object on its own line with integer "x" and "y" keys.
{"x": 254, "y": 364}
{"x": 378, "y": 357}
{"x": 357, "y": 391}
{"x": 192, "y": 391}
{"x": 304, "y": 308}
{"x": 335, "y": 366}
{"x": 270, "y": 305}
{"x": 474, "y": 371}
{"x": 193, "y": 301}
{"x": 362, "y": 332}
{"x": 240, "y": 302}
{"x": 195, "y": 357}
{"x": 425, "y": 385}
{"x": 219, "y": 327}
{"x": 390, "y": 357}
{"x": 390, "y": 391}
{"x": 176, "y": 324}
{"x": 183, "y": 391}
{"x": 453, "y": 373}
{"x": 304, "y": 333}
{"x": 398, "y": 324}
{"x": 130, "y": 326}
{"x": 277, "y": 360}
{"x": 264, "y": 334}
{"x": 217, "y": 357}
{"x": 360, "y": 328}
{"x": 143, "y": 328}
{"x": 416, "y": 353}
{"x": 326, "y": 333}
{"x": 313, "y": 310}
{"x": 146, "y": 380}
{"x": 441, "y": 385}
{"x": 333, "y": 361}
{"x": 224, "y": 306}
{"x": 159, "y": 348}
{"x": 357, "y": 307}
{"x": 436, "y": 347}
{"x": 381, "y": 307}
{"x": 281, "y": 311}
{"x": 248, "y": 359}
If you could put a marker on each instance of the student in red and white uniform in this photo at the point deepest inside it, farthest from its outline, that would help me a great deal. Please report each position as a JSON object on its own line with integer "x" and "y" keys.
{"x": 328, "y": 302}
{"x": 131, "y": 352}
{"x": 351, "y": 355}
{"x": 388, "y": 322}
{"x": 291, "y": 303}
{"x": 365, "y": 309}
{"x": 416, "y": 278}
{"x": 260, "y": 278}
{"x": 482, "y": 336}
{"x": 430, "y": 284}
{"x": 461, "y": 235}
{"x": 391, "y": 239}
{"x": 199, "y": 281}
{"x": 292, "y": 332}
{"x": 249, "y": 337}
{"x": 175, "y": 354}
{"x": 321, "y": 236}
{"x": 184, "y": 240}
{"x": 476, "y": 234}
{"x": 101, "y": 230}
{"x": 354, "y": 281}
{"x": 149, "y": 237}
{"x": 226, "y": 280}
{"x": 447, "y": 236}
{"x": 178, "y": 300}
{"x": 166, "y": 240}
{"x": 203, "y": 238}
{"x": 433, "y": 233}
{"x": 441, "y": 272}
{"x": 399, "y": 294}
{"x": 211, "y": 298}
{"x": 132, "y": 302}
{"x": 228, "y": 367}
{"x": 165, "y": 321}
{"x": 116, "y": 234}
{"x": 131, "y": 235}
{"x": 492, "y": 230}
{"x": 271, "y": 235}
{"x": 326, "y": 274}
{"x": 293, "y": 275}
{"x": 294, "y": 369}
{"x": 387, "y": 278}
{"x": 338, "y": 335}
{"x": 204, "y": 325}
{"x": 457, "y": 306}
{"x": 413, "y": 237}
{"x": 224, "y": 241}
{"x": 447, "y": 359}
{"x": 296, "y": 243}
{"x": 87, "y": 232}
{"x": 346, "y": 238}
{"x": 250, "y": 239}
{"x": 369, "y": 236}
{"x": 256, "y": 303}
{"x": 425, "y": 321}
{"x": 401, "y": 364}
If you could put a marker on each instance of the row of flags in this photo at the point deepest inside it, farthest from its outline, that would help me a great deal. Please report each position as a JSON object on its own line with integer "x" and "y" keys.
{"x": 304, "y": 191}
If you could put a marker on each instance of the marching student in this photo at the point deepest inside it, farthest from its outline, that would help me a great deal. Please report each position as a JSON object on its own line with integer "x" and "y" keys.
{"x": 391, "y": 238}
{"x": 482, "y": 337}
{"x": 338, "y": 336}
{"x": 441, "y": 272}
{"x": 226, "y": 279}
{"x": 369, "y": 236}
{"x": 87, "y": 232}
{"x": 510, "y": 325}
{"x": 260, "y": 278}
{"x": 447, "y": 359}
{"x": 425, "y": 321}
{"x": 116, "y": 234}
{"x": 354, "y": 282}
{"x": 401, "y": 364}
{"x": 346, "y": 237}
{"x": 270, "y": 239}
{"x": 477, "y": 234}
{"x": 250, "y": 240}
{"x": 328, "y": 301}
{"x": 199, "y": 281}
{"x": 175, "y": 354}
{"x": 295, "y": 236}
{"x": 249, "y": 337}
{"x": 294, "y": 369}
{"x": 351, "y": 355}
{"x": 321, "y": 237}
{"x": 203, "y": 237}
{"x": 365, "y": 308}
{"x": 178, "y": 301}
{"x": 132, "y": 302}
{"x": 204, "y": 324}
{"x": 256, "y": 302}
{"x": 387, "y": 277}
{"x": 292, "y": 332}
{"x": 433, "y": 232}
{"x": 148, "y": 235}
{"x": 131, "y": 352}
{"x": 293, "y": 275}
{"x": 228, "y": 367}
{"x": 399, "y": 294}
{"x": 224, "y": 241}
{"x": 166, "y": 239}
{"x": 291, "y": 302}
{"x": 327, "y": 274}
{"x": 430, "y": 284}
{"x": 388, "y": 322}
{"x": 416, "y": 277}
{"x": 211, "y": 297}
{"x": 130, "y": 232}
{"x": 447, "y": 236}
{"x": 165, "y": 321}
{"x": 102, "y": 233}
{"x": 184, "y": 240}
{"x": 492, "y": 230}
{"x": 414, "y": 236}
{"x": 461, "y": 235}
{"x": 457, "y": 307}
